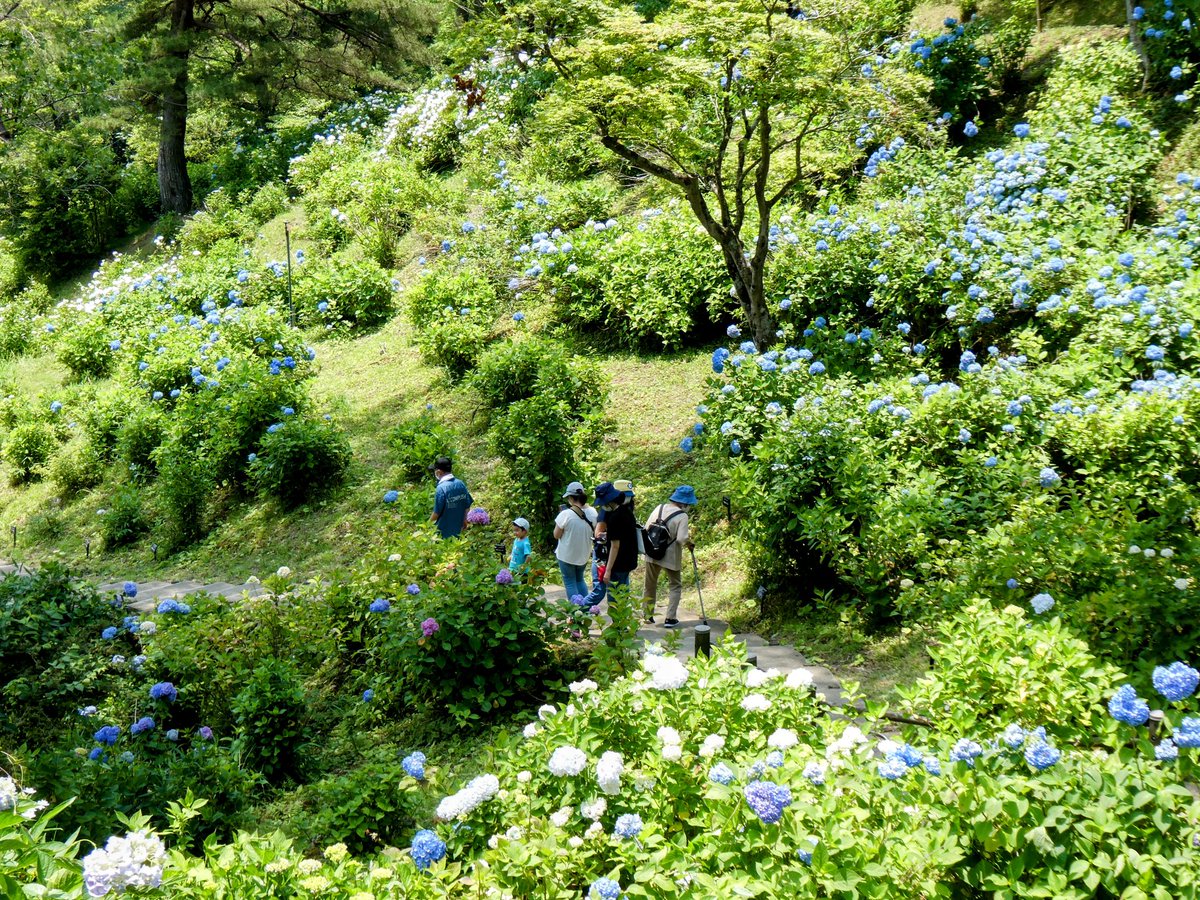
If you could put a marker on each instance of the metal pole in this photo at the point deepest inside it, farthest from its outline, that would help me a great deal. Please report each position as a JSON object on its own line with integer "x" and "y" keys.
{"x": 287, "y": 237}
{"x": 696, "y": 570}
{"x": 703, "y": 640}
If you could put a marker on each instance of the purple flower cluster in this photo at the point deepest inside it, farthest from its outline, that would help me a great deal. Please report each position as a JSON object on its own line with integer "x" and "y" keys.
{"x": 768, "y": 800}
{"x": 478, "y": 516}
{"x": 430, "y": 627}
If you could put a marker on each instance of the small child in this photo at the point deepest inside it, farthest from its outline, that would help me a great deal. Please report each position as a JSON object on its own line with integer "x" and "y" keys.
{"x": 521, "y": 549}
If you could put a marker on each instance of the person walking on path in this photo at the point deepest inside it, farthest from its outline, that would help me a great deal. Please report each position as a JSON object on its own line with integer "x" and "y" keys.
{"x": 573, "y": 530}
{"x": 673, "y": 516}
{"x": 521, "y": 549}
{"x": 451, "y": 499}
{"x": 621, "y": 531}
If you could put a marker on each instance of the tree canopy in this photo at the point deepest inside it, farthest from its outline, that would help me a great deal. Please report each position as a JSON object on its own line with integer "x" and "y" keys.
{"x": 740, "y": 104}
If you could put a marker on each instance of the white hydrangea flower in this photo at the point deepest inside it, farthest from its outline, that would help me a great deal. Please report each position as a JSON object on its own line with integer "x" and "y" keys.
{"x": 571, "y": 711}
{"x": 515, "y": 833}
{"x": 643, "y": 783}
{"x": 887, "y": 747}
{"x": 783, "y": 739}
{"x": 545, "y": 711}
{"x": 1181, "y": 584}
{"x": 672, "y": 753}
{"x": 666, "y": 672}
{"x": 524, "y": 777}
{"x": 494, "y": 841}
{"x": 575, "y": 842}
{"x": 567, "y": 761}
{"x": 283, "y": 572}
{"x": 669, "y": 735}
{"x": 755, "y": 703}
{"x": 309, "y": 866}
{"x": 531, "y": 730}
{"x": 1166, "y": 553}
{"x": 608, "y": 772}
{"x": 133, "y": 861}
{"x": 799, "y": 678}
{"x": 757, "y": 677}
{"x": 595, "y": 831}
{"x": 586, "y": 686}
{"x": 593, "y": 809}
{"x": 713, "y": 744}
{"x": 561, "y": 818}
{"x": 478, "y": 790}
{"x": 148, "y": 628}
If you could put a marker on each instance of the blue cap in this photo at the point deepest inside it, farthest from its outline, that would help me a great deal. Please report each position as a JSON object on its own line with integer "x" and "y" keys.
{"x": 685, "y": 495}
{"x": 606, "y": 494}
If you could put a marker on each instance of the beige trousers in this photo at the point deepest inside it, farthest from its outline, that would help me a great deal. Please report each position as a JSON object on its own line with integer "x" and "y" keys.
{"x": 674, "y": 588}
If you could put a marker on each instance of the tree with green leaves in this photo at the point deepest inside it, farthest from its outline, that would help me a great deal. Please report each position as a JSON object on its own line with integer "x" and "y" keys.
{"x": 739, "y": 104}
{"x": 259, "y": 53}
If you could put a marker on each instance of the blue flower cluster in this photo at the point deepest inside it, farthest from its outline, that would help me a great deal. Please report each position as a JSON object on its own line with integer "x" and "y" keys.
{"x": 768, "y": 800}
{"x": 427, "y": 848}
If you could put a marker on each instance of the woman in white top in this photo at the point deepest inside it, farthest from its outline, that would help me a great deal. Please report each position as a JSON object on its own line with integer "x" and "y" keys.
{"x": 574, "y": 529}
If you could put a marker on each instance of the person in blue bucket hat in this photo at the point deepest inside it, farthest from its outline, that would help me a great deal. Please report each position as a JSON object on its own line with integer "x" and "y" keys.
{"x": 668, "y": 522}
{"x": 622, "y": 539}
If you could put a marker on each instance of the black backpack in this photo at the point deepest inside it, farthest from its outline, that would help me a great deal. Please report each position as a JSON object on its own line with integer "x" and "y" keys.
{"x": 655, "y": 536}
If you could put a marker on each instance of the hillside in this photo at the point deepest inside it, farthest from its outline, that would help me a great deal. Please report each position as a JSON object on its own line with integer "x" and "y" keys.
{"x": 907, "y": 292}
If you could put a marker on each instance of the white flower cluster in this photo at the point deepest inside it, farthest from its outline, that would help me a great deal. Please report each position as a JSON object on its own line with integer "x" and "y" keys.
{"x": 133, "y": 861}
{"x": 757, "y": 677}
{"x": 783, "y": 739}
{"x": 713, "y": 744}
{"x": 11, "y": 795}
{"x": 478, "y": 790}
{"x": 608, "y": 772}
{"x": 421, "y": 117}
{"x": 799, "y": 678}
{"x": 850, "y": 738}
{"x": 586, "y": 686}
{"x": 593, "y": 809}
{"x": 755, "y": 703}
{"x": 666, "y": 672}
{"x": 567, "y": 761}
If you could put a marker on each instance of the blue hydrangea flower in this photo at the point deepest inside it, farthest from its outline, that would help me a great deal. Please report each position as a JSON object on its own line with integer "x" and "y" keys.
{"x": 628, "y": 826}
{"x": 604, "y": 889}
{"x": 379, "y": 605}
{"x": 815, "y": 772}
{"x": 806, "y": 853}
{"x": 427, "y": 848}
{"x": 733, "y": 331}
{"x": 817, "y": 368}
{"x": 893, "y": 767}
{"x": 391, "y": 496}
{"x": 774, "y": 759}
{"x": 164, "y": 690}
{"x": 413, "y": 590}
{"x": 965, "y": 751}
{"x": 909, "y": 754}
{"x": 130, "y": 588}
{"x": 1048, "y": 477}
{"x": 1155, "y": 353}
{"x": 1014, "y": 736}
{"x": 687, "y": 445}
{"x": 721, "y": 774}
{"x": 368, "y": 695}
{"x": 1021, "y": 130}
{"x": 1127, "y": 707}
{"x": 1188, "y": 733}
{"x": 1041, "y": 755}
{"x": 172, "y": 735}
{"x": 933, "y": 765}
{"x": 107, "y": 735}
{"x": 1176, "y": 682}
{"x": 735, "y": 447}
{"x": 970, "y": 129}
{"x": 991, "y": 462}
{"x": 145, "y": 723}
{"x": 718, "y": 359}
{"x": 964, "y": 435}
{"x": 110, "y": 632}
{"x": 414, "y": 765}
{"x": 1166, "y": 751}
{"x": 1041, "y": 603}
{"x": 768, "y": 800}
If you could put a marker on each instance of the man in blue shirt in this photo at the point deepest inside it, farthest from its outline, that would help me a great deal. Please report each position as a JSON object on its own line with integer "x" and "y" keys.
{"x": 451, "y": 500}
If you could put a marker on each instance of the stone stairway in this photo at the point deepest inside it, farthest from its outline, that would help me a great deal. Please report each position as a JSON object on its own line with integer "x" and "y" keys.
{"x": 151, "y": 593}
{"x": 765, "y": 654}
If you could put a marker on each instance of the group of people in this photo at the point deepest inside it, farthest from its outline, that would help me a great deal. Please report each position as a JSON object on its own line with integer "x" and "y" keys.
{"x": 605, "y": 538}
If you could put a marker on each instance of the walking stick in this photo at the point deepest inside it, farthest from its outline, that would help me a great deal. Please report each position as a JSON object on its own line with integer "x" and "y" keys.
{"x": 696, "y": 569}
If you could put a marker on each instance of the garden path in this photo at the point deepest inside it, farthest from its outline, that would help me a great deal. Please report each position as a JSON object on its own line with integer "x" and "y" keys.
{"x": 768, "y": 656}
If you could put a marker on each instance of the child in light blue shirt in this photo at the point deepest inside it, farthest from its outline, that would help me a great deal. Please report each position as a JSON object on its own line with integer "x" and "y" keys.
{"x": 521, "y": 548}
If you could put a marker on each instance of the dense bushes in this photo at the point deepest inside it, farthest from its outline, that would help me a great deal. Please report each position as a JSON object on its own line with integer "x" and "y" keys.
{"x": 299, "y": 460}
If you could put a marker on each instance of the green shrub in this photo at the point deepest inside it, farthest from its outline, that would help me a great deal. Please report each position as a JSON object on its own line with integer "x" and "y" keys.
{"x": 123, "y": 521}
{"x": 520, "y": 369}
{"x": 85, "y": 349}
{"x": 299, "y": 461}
{"x": 27, "y": 448}
{"x": 416, "y": 442}
{"x": 343, "y": 292}
{"x": 12, "y": 273}
{"x": 994, "y": 666}
{"x": 76, "y": 469}
{"x": 455, "y": 340}
{"x": 376, "y": 804}
{"x": 138, "y": 436}
{"x": 484, "y": 627}
{"x": 270, "y": 713}
{"x": 446, "y": 288}
{"x": 102, "y": 420}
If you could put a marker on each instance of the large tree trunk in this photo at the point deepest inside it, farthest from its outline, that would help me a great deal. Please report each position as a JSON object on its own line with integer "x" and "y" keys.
{"x": 174, "y": 186}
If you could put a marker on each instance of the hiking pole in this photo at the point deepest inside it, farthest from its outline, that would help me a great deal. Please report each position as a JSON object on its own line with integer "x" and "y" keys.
{"x": 696, "y": 569}
{"x": 703, "y": 634}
